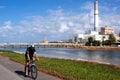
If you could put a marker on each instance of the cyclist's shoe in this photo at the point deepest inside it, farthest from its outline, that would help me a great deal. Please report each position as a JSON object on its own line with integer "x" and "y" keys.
{"x": 26, "y": 75}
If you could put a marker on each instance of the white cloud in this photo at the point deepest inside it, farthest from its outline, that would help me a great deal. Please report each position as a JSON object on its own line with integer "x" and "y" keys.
{"x": 77, "y": 31}
{"x": 111, "y": 20}
{"x": 59, "y": 22}
{"x": 56, "y": 23}
{"x": 1, "y": 7}
{"x": 6, "y": 25}
{"x": 70, "y": 24}
{"x": 87, "y": 6}
{"x": 58, "y": 12}
{"x": 5, "y": 28}
{"x": 63, "y": 27}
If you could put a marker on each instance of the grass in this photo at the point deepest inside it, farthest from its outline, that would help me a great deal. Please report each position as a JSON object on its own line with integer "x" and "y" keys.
{"x": 69, "y": 69}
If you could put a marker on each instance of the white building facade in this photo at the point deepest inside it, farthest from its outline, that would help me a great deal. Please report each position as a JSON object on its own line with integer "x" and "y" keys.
{"x": 83, "y": 38}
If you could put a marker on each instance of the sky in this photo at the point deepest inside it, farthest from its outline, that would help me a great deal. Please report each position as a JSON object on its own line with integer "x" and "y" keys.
{"x": 32, "y": 20}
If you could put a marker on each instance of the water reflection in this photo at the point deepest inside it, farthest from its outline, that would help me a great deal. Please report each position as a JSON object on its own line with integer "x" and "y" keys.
{"x": 109, "y": 56}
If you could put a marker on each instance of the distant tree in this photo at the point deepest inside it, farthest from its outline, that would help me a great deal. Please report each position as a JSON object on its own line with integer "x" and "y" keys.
{"x": 119, "y": 34}
{"x": 96, "y": 43}
{"x": 90, "y": 40}
{"x": 87, "y": 44}
{"x": 111, "y": 39}
{"x": 103, "y": 42}
{"x": 75, "y": 39}
{"x": 80, "y": 40}
{"x": 106, "y": 42}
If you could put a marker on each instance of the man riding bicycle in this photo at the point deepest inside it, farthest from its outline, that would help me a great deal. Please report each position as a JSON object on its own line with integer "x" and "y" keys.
{"x": 29, "y": 55}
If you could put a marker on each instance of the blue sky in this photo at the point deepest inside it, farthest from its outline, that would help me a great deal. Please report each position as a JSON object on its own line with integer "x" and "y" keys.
{"x": 31, "y": 20}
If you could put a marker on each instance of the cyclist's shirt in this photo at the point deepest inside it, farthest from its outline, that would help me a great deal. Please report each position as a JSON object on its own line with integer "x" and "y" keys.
{"x": 30, "y": 51}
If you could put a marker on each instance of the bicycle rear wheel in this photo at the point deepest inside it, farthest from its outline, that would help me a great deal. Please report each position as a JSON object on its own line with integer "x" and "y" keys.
{"x": 34, "y": 72}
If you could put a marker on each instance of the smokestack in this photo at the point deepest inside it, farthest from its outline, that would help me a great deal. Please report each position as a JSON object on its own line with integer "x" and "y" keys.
{"x": 96, "y": 20}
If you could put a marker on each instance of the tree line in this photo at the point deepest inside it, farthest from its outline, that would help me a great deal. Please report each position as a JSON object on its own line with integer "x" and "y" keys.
{"x": 109, "y": 42}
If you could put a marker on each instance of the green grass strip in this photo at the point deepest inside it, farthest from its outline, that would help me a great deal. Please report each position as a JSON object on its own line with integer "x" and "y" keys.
{"x": 69, "y": 69}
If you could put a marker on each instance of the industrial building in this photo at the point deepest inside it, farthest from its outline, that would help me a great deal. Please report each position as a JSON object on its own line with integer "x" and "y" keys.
{"x": 107, "y": 30}
{"x": 83, "y": 38}
{"x": 95, "y": 34}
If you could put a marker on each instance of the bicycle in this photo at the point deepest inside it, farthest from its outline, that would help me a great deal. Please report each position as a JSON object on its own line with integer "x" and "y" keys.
{"x": 32, "y": 70}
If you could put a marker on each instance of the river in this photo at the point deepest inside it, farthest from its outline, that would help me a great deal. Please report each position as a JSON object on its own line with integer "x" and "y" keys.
{"x": 106, "y": 56}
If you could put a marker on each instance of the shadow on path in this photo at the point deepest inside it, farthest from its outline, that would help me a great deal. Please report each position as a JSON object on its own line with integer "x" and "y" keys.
{"x": 20, "y": 73}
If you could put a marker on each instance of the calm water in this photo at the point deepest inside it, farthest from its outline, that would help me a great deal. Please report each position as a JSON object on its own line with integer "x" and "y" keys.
{"x": 109, "y": 56}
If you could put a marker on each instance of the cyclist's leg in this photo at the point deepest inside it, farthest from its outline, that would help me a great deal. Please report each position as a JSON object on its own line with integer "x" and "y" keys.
{"x": 26, "y": 64}
{"x": 26, "y": 68}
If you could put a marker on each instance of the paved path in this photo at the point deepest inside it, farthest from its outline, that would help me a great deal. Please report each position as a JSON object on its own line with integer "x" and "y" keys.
{"x": 10, "y": 70}
{"x": 5, "y": 74}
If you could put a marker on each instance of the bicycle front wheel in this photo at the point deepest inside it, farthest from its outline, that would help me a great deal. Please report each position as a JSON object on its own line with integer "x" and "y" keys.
{"x": 34, "y": 72}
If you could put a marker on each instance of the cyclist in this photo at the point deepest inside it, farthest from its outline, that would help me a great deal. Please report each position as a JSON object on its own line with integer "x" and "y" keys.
{"x": 29, "y": 55}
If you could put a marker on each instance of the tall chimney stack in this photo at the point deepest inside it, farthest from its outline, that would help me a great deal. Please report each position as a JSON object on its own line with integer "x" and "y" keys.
{"x": 96, "y": 20}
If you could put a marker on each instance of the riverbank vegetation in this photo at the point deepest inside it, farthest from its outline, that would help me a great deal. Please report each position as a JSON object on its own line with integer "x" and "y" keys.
{"x": 109, "y": 42}
{"x": 70, "y": 69}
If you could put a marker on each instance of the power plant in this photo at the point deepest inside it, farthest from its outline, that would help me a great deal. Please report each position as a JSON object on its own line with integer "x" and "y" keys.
{"x": 95, "y": 34}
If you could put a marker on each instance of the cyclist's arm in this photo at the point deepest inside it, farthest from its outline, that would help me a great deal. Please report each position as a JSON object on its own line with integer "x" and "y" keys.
{"x": 36, "y": 56}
